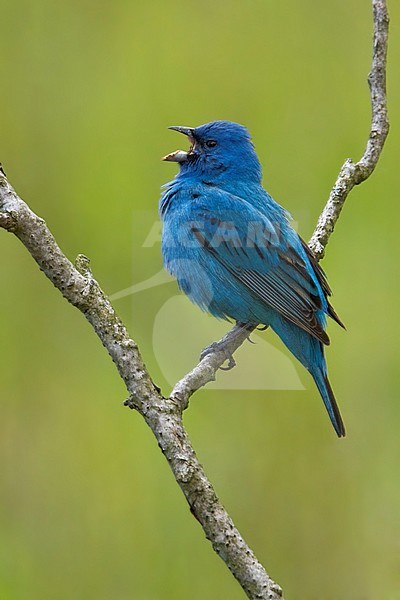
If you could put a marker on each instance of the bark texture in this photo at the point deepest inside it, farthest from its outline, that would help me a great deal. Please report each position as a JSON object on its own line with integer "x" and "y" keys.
{"x": 164, "y": 415}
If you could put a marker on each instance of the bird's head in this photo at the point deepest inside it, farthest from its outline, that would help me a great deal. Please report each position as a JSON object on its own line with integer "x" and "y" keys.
{"x": 219, "y": 150}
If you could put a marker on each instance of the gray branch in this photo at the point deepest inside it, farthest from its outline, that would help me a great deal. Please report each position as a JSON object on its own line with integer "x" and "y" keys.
{"x": 351, "y": 173}
{"x": 164, "y": 415}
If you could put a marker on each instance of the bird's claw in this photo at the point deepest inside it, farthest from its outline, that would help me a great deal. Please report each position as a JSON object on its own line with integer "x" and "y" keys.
{"x": 259, "y": 328}
{"x": 231, "y": 363}
{"x": 218, "y": 347}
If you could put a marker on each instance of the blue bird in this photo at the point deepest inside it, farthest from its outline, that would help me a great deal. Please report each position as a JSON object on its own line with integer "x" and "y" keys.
{"x": 233, "y": 251}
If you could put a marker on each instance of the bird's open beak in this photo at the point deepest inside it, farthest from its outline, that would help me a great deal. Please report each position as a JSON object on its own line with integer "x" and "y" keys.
{"x": 185, "y": 130}
{"x": 180, "y": 155}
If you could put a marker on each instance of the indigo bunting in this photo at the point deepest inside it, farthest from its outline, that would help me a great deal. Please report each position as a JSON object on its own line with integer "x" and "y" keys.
{"x": 233, "y": 251}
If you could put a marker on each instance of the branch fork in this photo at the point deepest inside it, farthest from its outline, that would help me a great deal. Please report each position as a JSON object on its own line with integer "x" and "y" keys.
{"x": 164, "y": 415}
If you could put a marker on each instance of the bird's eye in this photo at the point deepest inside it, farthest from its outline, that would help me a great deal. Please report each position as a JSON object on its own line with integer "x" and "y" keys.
{"x": 211, "y": 143}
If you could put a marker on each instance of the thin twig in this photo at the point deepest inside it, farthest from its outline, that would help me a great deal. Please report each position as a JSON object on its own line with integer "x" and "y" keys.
{"x": 207, "y": 368}
{"x": 351, "y": 174}
{"x": 164, "y": 415}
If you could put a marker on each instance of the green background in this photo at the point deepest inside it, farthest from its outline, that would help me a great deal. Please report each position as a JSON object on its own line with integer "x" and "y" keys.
{"x": 88, "y": 506}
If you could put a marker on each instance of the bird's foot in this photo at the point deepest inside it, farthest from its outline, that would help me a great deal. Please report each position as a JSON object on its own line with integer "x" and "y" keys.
{"x": 250, "y": 328}
{"x": 219, "y": 347}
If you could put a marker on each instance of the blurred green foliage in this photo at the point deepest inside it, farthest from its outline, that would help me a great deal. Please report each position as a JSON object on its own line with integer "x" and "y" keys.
{"x": 88, "y": 507}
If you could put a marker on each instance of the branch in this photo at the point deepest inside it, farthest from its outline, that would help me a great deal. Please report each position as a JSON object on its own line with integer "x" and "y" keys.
{"x": 208, "y": 366}
{"x": 350, "y": 174}
{"x": 164, "y": 415}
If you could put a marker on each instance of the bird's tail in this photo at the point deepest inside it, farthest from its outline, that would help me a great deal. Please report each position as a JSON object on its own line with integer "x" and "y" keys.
{"x": 328, "y": 397}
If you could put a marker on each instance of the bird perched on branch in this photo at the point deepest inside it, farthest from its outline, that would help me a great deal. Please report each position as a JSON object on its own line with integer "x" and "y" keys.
{"x": 234, "y": 253}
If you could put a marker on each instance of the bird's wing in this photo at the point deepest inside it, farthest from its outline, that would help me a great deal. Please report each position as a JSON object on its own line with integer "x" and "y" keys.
{"x": 249, "y": 246}
{"x": 320, "y": 274}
